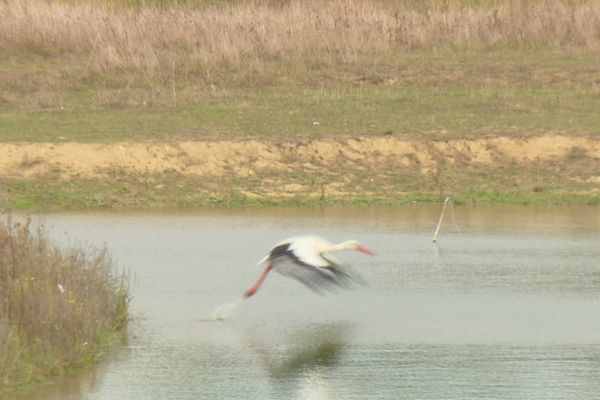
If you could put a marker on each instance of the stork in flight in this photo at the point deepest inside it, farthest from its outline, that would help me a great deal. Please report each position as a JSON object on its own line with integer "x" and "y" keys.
{"x": 305, "y": 258}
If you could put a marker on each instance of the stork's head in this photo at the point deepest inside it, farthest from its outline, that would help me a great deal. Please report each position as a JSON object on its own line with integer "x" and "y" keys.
{"x": 354, "y": 245}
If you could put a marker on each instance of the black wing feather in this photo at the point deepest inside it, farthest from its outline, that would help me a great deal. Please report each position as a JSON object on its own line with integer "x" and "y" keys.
{"x": 318, "y": 279}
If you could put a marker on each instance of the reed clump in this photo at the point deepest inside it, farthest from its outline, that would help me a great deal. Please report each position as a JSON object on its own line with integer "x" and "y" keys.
{"x": 59, "y": 307}
{"x": 257, "y": 39}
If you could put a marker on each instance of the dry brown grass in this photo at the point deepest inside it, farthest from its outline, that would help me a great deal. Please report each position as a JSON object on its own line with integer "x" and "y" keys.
{"x": 258, "y": 36}
{"x": 57, "y": 306}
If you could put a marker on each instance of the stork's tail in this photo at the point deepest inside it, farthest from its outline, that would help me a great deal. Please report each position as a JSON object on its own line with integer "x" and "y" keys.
{"x": 345, "y": 275}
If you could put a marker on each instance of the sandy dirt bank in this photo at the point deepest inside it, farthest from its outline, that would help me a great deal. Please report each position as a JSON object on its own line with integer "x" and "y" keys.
{"x": 245, "y": 158}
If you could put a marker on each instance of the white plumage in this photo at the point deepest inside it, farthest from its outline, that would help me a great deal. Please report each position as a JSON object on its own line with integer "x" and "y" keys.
{"x": 306, "y": 259}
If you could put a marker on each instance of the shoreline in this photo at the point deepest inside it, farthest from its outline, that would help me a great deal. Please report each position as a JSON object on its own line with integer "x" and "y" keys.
{"x": 388, "y": 170}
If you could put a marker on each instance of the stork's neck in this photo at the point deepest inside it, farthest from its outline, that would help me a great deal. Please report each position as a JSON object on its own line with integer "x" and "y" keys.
{"x": 337, "y": 247}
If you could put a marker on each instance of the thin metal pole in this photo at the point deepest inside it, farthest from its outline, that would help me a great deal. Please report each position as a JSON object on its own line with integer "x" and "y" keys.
{"x": 441, "y": 219}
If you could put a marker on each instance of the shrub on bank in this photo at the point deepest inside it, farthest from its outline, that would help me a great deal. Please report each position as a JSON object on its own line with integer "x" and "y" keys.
{"x": 59, "y": 307}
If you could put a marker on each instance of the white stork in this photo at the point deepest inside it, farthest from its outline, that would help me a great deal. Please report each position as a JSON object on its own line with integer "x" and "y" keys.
{"x": 303, "y": 258}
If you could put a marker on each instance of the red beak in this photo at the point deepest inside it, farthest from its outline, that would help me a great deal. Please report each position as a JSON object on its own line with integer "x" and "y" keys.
{"x": 363, "y": 249}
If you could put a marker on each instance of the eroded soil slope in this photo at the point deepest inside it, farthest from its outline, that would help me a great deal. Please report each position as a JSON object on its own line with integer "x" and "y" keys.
{"x": 311, "y": 167}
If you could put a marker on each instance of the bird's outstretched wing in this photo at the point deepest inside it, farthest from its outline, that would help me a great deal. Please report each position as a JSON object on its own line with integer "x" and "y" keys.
{"x": 320, "y": 279}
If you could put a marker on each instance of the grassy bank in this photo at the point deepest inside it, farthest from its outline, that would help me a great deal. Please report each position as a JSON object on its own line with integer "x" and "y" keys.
{"x": 430, "y": 94}
{"x": 376, "y": 180}
{"x": 91, "y": 72}
{"x": 59, "y": 308}
{"x": 98, "y": 195}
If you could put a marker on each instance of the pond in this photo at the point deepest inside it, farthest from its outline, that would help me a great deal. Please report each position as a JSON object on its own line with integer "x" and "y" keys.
{"x": 504, "y": 306}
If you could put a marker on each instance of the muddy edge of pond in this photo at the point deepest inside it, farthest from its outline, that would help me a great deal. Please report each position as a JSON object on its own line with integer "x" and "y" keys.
{"x": 544, "y": 169}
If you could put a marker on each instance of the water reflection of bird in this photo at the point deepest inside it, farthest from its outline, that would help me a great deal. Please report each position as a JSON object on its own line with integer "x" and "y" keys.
{"x": 304, "y": 258}
{"x": 299, "y": 361}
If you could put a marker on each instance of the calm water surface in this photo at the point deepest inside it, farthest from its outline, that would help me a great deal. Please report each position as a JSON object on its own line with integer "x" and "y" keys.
{"x": 507, "y": 308}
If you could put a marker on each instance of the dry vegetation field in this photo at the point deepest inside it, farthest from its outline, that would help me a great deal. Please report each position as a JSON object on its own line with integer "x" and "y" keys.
{"x": 420, "y": 71}
{"x": 261, "y": 43}
{"x": 54, "y": 52}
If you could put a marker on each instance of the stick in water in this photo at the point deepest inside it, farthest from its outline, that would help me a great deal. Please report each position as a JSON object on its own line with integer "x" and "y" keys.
{"x": 448, "y": 199}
